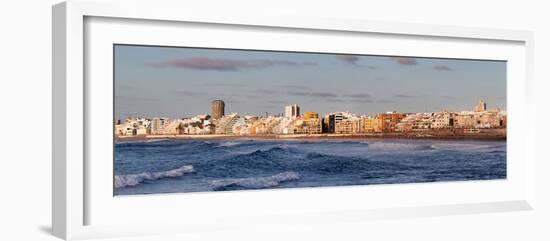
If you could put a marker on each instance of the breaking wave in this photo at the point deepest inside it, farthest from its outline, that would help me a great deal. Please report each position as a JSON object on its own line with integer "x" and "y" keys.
{"x": 394, "y": 146}
{"x": 135, "y": 179}
{"x": 230, "y": 143}
{"x": 241, "y": 164}
{"x": 467, "y": 146}
{"x": 253, "y": 182}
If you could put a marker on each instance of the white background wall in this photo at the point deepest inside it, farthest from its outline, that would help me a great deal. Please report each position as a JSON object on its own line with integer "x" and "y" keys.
{"x": 25, "y": 113}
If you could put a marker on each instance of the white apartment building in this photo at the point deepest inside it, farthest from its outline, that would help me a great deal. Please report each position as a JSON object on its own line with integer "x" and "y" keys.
{"x": 292, "y": 111}
{"x": 443, "y": 120}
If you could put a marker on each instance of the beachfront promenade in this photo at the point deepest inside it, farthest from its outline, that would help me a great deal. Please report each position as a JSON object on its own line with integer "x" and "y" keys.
{"x": 489, "y": 134}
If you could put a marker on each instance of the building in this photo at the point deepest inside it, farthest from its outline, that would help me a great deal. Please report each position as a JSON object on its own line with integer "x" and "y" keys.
{"x": 416, "y": 122}
{"x": 443, "y": 120}
{"x": 285, "y": 126}
{"x": 218, "y": 109}
{"x": 388, "y": 121}
{"x": 310, "y": 115}
{"x": 405, "y": 125}
{"x": 292, "y": 111}
{"x": 328, "y": 123}
{"x": 157, "y": 125}
{"x": 465, "y": 119}
{"x": 479, "y": 120}
{"x": 308, "y": 126}
{"x": 228, "y": 128}
{"x": 119, "y": 129}
{"x": 480, "y": 107}
{"x": 349, "y": 126}
{"x": 369, "y": 124}
{"x": 132, "y": 126}
{"x": 488, "y": 119}
{"x": 240, "y": 126}
{"x": 424, "y": 121}
{"x": 338, "y": 117}
{"x": 140, "y": 130}
{"x": 170, "y": 127}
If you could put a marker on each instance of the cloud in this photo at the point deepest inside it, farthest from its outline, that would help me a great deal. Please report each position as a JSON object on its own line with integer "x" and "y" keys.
{"x": 350, "y": 59}
{"x": 404, "y": 96}
{"x": 295, "y": 87}
{"x": 358, "y": 96}
{"x": 323, "y": 95}
{"x": 353, "y": 60}
{"x": 224, "y": 84}
{"x": 404, "y": 60}
{"x": 313, "y": 94}
{"x": 442, "y": 68}
{"x": 298, "y": 93}
{"x": 188, "y": 93}
{"x": 224, "y": 64}
{"x": 361, "y": 100}
{"x": 385, "y": 101}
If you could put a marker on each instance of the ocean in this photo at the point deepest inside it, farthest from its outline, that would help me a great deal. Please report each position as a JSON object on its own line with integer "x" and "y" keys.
{"x": 197, "y": 165}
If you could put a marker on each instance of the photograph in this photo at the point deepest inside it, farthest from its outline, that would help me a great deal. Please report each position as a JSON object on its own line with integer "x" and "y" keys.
{"x": 193, "y": 119}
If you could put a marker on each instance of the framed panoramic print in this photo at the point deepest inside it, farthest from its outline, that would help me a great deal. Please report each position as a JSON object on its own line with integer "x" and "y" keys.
{"x": 196, "y": 119}
{"x": 208, "y": 116}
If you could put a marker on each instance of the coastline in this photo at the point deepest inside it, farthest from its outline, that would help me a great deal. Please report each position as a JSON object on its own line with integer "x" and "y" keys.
{"x": 488, "y": 134}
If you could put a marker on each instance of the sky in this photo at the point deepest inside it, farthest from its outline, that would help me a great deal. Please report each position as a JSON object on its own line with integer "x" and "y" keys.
{"x": 177, "y": 82}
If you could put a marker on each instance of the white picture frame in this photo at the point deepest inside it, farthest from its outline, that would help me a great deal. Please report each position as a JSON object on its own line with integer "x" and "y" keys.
{"x": 76, "y": 194}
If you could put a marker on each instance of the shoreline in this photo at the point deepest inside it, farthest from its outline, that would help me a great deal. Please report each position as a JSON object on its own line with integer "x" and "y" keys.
{"x": 412, "y": 136}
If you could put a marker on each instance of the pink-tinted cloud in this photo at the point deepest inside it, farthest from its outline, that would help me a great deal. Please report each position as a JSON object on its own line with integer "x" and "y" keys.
{"x": 354, "y": 61}
{"x": 350, "y": 59}
{"x": 404, "y": 60}
{"x": 223, "y": 64}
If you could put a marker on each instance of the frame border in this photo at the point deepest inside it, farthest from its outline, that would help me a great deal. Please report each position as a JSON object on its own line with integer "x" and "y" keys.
{"x": 68, "y": 105}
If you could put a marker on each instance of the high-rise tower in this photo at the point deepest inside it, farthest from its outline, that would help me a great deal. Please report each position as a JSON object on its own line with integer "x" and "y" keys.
{"x": 292, "y": 111}
{"x": 218, "y": 109}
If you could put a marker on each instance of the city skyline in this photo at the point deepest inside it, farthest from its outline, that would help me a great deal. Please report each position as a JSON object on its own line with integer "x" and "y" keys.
{"x": 445, "y": 123}
{"x": 181, "y": 82}
{"x": 296, "y": 112}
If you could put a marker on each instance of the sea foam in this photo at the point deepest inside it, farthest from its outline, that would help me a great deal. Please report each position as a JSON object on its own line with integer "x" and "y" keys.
{"x": 254, "y": 182}
{"x": 397, "y": 146}
{"x": 229, "y": 143}
{"x": 135, "y": 179}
